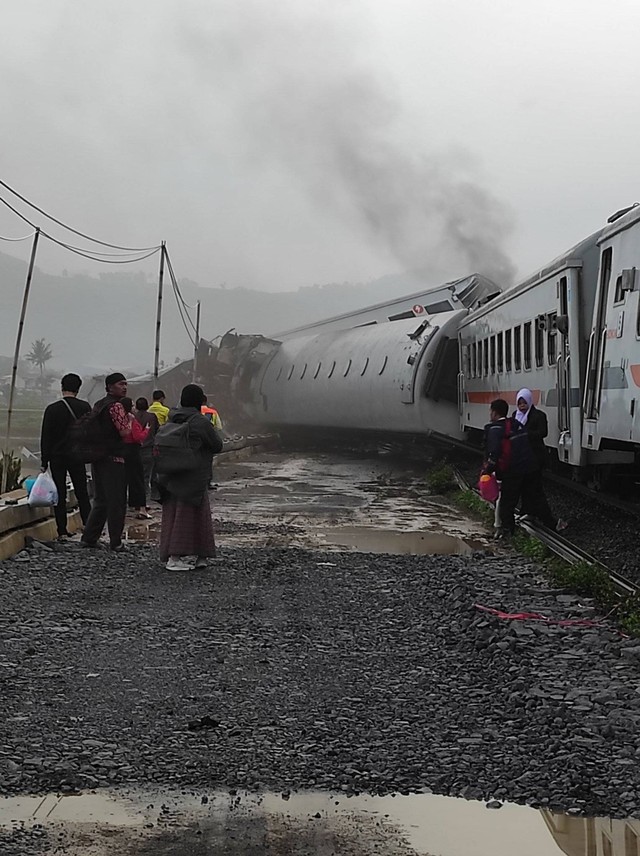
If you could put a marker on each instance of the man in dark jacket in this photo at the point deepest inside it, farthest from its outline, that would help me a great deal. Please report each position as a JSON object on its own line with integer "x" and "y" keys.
{"x": 109, "y": 477}
{"x": 508, "y": 454}
{"x": 55, "y": 453}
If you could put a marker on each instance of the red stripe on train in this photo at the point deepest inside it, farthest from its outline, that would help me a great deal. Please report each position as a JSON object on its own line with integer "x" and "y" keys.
{"x": 509, "y": 395}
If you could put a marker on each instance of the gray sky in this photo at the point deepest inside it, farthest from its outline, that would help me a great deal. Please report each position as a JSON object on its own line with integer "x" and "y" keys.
{"x": 278, "y": 143}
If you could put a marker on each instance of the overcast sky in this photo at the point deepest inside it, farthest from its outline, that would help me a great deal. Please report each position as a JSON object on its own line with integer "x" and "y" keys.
{"x": 281, "y": 143}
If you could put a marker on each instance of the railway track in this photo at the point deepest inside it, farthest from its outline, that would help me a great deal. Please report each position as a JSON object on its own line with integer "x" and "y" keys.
{"x": 562, "y": 547}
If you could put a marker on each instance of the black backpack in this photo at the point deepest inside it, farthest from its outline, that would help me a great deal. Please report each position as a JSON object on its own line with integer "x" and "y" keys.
{"x": 93, "y": 437}
{"x": 172, "y": 450}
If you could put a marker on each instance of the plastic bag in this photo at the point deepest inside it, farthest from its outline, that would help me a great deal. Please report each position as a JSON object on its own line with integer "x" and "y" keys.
{"x": 488, "y": 487}
{"x": 44, "y": 492}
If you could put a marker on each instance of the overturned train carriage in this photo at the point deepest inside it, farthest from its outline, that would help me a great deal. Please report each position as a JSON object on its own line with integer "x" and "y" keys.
{"x": 396, "y": 377}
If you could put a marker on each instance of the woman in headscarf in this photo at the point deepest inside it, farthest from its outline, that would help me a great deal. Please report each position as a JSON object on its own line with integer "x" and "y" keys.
{"x": 534, "y": 500}
{"x": 186, "y": 537}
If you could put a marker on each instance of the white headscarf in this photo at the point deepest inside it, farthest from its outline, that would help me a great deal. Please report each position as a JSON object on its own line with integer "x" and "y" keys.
{"x": 523, "y": 415}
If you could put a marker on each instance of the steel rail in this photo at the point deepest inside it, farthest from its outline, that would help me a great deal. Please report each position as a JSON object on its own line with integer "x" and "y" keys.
{"x": 560, "y": 546}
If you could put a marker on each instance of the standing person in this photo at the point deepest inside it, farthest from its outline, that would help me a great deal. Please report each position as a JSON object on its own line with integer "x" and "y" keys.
{"x": 150, "y": 421}
{"x": 527, "y": 414}
{"x": 186, "y": 536}
{"x": 136, "y": 494}
{"x": 158, "y": 407}
{"x": 212, "y": 414}
{"x": 109, "y": 477}
{"x": 55, "y": 453}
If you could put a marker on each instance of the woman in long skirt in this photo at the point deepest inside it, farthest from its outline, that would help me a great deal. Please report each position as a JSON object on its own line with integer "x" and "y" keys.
{"x": 186, "y": 537}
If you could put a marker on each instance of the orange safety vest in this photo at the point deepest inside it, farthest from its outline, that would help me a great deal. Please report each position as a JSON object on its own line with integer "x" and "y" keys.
{"x": 212, "y": 413}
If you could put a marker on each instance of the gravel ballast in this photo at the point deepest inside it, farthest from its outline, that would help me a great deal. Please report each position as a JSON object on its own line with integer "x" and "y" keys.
{"x": 284, "y": 669}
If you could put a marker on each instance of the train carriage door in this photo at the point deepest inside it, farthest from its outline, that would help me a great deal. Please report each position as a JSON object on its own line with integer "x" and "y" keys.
{"x": 598, "y": 340}
{"x": 559, "y": 347}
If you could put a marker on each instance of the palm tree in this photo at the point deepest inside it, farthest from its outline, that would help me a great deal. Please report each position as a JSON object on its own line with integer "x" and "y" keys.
{"x": 39, "y": 355}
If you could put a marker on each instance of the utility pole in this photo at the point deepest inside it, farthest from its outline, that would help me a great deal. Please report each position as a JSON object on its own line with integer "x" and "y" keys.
{"x": 156, "y": 361}
{"x": 16, "y": 357}
{"x": 195, "y": 350}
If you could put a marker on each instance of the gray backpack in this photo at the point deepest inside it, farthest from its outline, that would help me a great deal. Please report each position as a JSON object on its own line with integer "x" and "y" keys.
{"x": 172, "y": 450}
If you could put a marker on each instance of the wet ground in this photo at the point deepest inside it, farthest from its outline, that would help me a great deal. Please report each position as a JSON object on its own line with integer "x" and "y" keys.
{"x": 302, "y": 824}
{"x": 304, "y": 677}
{"x": 321, "y": 501}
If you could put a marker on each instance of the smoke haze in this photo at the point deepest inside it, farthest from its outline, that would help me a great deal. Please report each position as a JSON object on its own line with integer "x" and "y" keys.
{"x": 258, "y": 138}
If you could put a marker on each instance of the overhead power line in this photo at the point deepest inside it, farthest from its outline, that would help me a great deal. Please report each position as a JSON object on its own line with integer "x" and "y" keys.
{"x": 71, "y": 229}
{"x": 24, "y": 238}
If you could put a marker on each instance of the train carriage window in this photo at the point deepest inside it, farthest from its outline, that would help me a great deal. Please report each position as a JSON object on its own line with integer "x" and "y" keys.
{"x": 492, "y": 354}
{"x": 552, "y": 340}
{"x": 291, "y": 371}
{"x": 304, "y": 371}
{"x": 500, "y": 353}
{"x": 527, "y": 346}
{"x": 383, "y": 366}
{"x": 332, "y": 369}
{"x": 364, "y": 368}
{"x": 517, "y": 348}
{"x": 619, "y": 293}
{"x": 317, "y": 371}
{"x": 507, "y": 350}
{"x": 539, "y": 341}
{"x": 346, "y": 371}
{"x": 485, "y": 357}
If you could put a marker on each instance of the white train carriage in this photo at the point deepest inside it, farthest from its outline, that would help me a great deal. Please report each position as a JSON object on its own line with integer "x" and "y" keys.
{"x": 397, "y": 377}
{"x": 534, "y": 335}
{"x": 612, "y": 384}
{"x": 571, "y": 333}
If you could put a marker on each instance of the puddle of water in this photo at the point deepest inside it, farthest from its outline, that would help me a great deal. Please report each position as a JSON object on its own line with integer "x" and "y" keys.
{"x": 366, "y": 540}
{"x": 310, "y": 822}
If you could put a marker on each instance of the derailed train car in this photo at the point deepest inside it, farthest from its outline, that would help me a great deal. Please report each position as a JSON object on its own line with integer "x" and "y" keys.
{"x": 570, "y": 332}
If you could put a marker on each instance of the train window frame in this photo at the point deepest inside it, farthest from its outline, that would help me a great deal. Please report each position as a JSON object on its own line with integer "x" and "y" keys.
{"x": 500, "y": 352}
{"x": 304, "y": 371}
{"x": 517, "y": 348}
{"x": 317, "y": 371}
{"x": 293, "y": 365}
{"x": 384, "y": 365}
{"x": 619, "y": 293}
{"x": 492, "y": 354}
{"x": 332, "y": 369}
{"x": 348, "y": 368}
{"x": 526, "y": 346}
{"x": 538, "y": 344}
{"x": 508, "y": 353}
{"x": 485, "y": 357}
{"x": 365, "y": 367}
{"x": 552, "y": 340}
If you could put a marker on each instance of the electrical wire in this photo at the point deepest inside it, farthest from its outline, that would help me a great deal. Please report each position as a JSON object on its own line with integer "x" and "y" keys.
{"x": 183, "y": 306}
{"x": 71, "y": 248}
{"x": 174, "y": 278}
{"x": 69, "y": 228}
{"x": 30, "y": 235}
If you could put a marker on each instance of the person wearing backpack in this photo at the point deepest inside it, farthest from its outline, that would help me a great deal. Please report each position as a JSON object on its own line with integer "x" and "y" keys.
{"x": 55, "y": 451}
{"x": 109, "y": 426}
{"x": 183, "y": 450}
{"x": 509, "y": 456}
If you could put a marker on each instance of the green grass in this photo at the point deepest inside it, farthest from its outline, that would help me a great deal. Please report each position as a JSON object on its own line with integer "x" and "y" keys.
{"x": 441, "y": 479}
{"x": 471, "y": 502}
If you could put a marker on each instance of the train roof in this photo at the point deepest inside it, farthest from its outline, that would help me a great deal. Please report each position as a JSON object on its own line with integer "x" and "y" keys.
{"x": 467, "y": 291}
{"x": 574, "y": 257}
{"x": 620, "y": 221}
